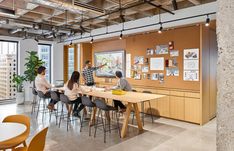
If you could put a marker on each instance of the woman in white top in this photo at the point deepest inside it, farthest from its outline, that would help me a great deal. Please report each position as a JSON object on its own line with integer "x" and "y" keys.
{"x": 72, "y": 91}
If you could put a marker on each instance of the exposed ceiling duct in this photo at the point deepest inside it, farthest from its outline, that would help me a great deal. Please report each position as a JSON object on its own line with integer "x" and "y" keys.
{"x": 13, "y": 31}
{"x": 79, "y": 8}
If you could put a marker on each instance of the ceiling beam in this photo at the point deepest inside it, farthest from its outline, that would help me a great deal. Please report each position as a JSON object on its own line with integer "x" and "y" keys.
{"x": 29, "y": 7}
{"x": 195, "y": 2}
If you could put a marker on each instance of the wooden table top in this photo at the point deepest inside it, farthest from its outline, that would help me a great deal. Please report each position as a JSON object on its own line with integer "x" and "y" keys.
{"x": 11, "y": 130}
{"x": 133, "y": 97}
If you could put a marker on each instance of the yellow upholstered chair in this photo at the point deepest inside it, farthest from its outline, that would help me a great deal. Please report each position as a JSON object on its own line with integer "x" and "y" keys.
{"x": 21, "y": 139}
{"x": 37, "y": 143}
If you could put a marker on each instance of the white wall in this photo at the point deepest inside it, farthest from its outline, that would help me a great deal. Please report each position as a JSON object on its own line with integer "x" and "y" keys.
{"x": 32, "y": 45}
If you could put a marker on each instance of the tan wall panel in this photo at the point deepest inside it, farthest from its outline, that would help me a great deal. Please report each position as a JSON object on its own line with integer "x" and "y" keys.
{"x": 163, "y": 106}
{"x": 176, "y": 93}
{"x": 138, "y": 44}
{"x": 192, "y": 110}
{"x": 65, "y": 63}
{"x": 191, "y": 94}
{"x": 177, "y": 107}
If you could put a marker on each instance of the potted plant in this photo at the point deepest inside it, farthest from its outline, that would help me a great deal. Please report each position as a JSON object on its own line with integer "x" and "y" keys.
{"x": 18, "y": 80}
{"x": 32, "y": 64}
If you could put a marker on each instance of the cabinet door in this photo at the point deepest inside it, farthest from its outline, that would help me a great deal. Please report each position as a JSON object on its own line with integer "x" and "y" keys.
{"x": 192, "y": 110}
{"x": 177, "y": 107}
{"x": 163, "y": 106}
{"x": 153, "y": 104}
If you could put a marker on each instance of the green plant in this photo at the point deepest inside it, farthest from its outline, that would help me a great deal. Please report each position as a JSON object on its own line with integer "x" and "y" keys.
{"x": 32, "y": 64}
{"x": 18, "y": 80}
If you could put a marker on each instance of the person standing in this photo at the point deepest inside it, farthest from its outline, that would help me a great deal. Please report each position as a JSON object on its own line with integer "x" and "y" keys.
{"x": 87, "y": 73}
{"x": 44, "y": 86}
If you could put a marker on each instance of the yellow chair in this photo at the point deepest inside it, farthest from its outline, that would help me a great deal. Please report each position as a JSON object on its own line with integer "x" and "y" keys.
{"x": 37, "y": 143}
{"x": 21, "y": 139}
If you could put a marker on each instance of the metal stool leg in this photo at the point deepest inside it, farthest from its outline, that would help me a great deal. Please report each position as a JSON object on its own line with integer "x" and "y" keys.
{"x": 61, "y": 115}
{"x": 104, "y": 128}
{"x": 143, "y": 113}
{"x": 152, "y": 117}
{"x": 117, "y": 119}
{"x": 82, "y": 119}
{"x": 38, "y": 108}
{"x": 33, "y": 104}
{"x": 96, "y": 124}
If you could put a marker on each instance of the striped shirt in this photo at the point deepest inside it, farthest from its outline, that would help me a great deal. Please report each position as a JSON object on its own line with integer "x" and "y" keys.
{"x": 88, "y": 75}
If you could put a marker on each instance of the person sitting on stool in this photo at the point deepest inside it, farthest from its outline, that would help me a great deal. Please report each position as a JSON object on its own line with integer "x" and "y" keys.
{"x": 44, "y": 86}
{"x": 72, "y": 91}
{"x": 122, "y": 84}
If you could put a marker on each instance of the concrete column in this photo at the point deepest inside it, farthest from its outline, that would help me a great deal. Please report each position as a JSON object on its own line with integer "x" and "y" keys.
{"x": 225, "y": 76}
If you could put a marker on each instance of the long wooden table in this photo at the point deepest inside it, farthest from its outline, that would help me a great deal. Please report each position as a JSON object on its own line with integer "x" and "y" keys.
{"x": 132, "y": 98}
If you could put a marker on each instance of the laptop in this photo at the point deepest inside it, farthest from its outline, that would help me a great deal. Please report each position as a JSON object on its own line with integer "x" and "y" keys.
{"x": 59, "y": 83}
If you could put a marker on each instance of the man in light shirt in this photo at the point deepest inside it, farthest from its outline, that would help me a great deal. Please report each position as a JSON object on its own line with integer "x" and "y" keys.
{"x": 43, "y": 85}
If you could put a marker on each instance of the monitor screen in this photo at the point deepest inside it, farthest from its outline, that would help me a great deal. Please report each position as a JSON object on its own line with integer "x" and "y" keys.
{"x": 114, "y": 60}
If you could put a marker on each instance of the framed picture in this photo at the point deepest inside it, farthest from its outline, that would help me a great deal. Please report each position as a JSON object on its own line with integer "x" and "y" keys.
{"x": 154, "y": 76}
{"x": 148, "y": 76}
{"x": 191, "y": 75}
{"x": 139, "y": 60}
{"x": 161, "y": 49}
{"x": 174, "y": 53}
{"x": 144, "y": 76}
{"x": 191, "y": 53}
{"x": 145, "y": 68}
{"x": 149, "y": 51}
{"x": 137, "y": 76}
{"x": 161, "y": 77}
{"x": 172, "y": 72}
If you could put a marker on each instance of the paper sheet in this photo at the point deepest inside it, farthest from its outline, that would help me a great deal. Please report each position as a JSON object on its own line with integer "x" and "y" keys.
{"x": 157, "y": 63}
{"x": 128, "y": 65}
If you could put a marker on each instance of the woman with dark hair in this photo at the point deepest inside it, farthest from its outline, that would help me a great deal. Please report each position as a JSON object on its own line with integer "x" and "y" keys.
{"x": 72, "y": 91}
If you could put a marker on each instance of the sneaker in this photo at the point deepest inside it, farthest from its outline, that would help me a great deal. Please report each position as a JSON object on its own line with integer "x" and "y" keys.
{"x": 77, "y": 114}
{"x": 122, "y": 110}
{"x": 50, "y": 107}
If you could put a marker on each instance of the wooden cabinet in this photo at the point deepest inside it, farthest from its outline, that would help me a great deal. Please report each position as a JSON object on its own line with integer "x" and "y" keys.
{"x": 162, "y": 106}
{"x": 177, "y": 107}
{"x": 192, "y": 110}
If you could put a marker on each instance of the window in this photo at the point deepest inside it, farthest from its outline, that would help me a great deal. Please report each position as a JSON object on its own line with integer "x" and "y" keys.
{"x": 70, "y": 61}
{"x": 44, "y": 53}
{"x": 8, "y": 67}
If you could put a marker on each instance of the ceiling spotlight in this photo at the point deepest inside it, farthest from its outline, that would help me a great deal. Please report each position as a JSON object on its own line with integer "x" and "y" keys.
{"x": 91, "y": 41}
{"x": 36, "y": 39}
{"x": 70, "y": 43}
{"x": 207, "y": 21}
{"x": 121, "y": 35}
{"x": 54, "y": 35}
{"x": 160, "y": 29}
{"x": 35, "y": 26}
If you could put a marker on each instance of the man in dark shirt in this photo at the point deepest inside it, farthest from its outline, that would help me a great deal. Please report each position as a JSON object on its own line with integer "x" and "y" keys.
{"x": 88, "y": 73}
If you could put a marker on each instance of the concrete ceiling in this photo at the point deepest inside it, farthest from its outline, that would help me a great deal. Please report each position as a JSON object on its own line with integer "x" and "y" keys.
{"x": 59, "y": 17}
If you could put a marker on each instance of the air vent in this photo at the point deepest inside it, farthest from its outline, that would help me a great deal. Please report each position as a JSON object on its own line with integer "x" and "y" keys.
{"x": 77, "y": 3}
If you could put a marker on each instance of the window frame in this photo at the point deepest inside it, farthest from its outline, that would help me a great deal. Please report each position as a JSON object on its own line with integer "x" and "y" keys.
{"x": 50, "y": 57}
